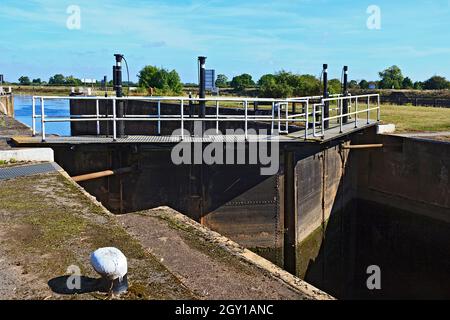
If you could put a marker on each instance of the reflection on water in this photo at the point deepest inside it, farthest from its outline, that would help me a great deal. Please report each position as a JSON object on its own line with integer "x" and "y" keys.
{"x": 53, "y": 108}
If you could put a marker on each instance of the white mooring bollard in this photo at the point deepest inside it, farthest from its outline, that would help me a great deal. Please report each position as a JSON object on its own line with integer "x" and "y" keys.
{"x": 111, "y": 264}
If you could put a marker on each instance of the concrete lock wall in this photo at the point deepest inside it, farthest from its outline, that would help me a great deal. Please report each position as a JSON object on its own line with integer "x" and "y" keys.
{"x": 325, "y": 189}
{"x": 405, "y": 191}
{"x": 7, "y": 105}
{"x": 386, "y": 207}
{"x": 326, "y": 216}
{"x": 234, "y": 200}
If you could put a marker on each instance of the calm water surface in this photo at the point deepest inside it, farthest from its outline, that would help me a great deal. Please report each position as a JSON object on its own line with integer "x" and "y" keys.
{"x": 53, "y": 108}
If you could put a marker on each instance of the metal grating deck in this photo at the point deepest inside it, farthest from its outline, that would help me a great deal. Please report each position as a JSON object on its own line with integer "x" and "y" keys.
{"x": 296, "y": 137}
{"x": 28, "y": 170}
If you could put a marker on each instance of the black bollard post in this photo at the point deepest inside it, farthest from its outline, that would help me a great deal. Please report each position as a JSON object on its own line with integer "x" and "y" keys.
{"x": 326, "y": 108}
{"x": 202, "y": 89}
{"x": 345, "y": 94}
{"x": 117, "y": 72}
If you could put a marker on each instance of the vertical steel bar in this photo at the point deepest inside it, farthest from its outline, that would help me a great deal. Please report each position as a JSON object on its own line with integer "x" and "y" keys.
{"x": 182, "y": 119}
{"x": 379, "y": 109}
{"x": 42, "y": 119}
{"x": 356, "y": 112}
{"x": 273, "y": 117}
{"x": 314, "y": 119}
{"x": 246, "y": 119}
{"x": 287, "y": 117}
{"x": 33, "y": 124}
{"x": 323, "y": 119}
{"x": 114, "y": 119}
{"x": 341, "y": 116}
{"x": 97, "y": 113}
{"x": 279, "y": 117}
{"x": 159, "y": 117}
{"x": 368, "y": 109}
{"x": 217, "y": 117}
{"x": 307, "y": 119}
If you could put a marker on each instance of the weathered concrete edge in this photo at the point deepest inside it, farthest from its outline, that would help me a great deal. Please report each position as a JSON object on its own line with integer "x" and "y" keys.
{"x": 386, "y": 128}
{"x": 85, "y": 193}
{"x": 235, "y": 249}
{"x": 36, "y": 154}
{"x": 232, "y": 247}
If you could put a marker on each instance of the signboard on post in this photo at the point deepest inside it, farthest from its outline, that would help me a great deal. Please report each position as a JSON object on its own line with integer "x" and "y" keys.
{"x": 210, "y": 80}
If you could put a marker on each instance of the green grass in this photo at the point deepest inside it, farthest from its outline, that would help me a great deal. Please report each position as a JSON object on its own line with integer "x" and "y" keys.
{"x": 416, "y": 119}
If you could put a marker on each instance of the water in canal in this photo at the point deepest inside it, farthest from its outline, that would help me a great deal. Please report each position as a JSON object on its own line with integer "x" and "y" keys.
{"x": 53, "y": 108}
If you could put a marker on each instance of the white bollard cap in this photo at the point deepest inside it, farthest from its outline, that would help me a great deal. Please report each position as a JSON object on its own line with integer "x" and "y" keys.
{"x": 112, "y": 265}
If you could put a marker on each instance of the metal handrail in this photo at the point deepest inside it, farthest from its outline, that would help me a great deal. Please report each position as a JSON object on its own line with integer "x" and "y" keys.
{"x": 278, "y": 103}
{"x": 341, "y": 115}
{"x": 279, "y": 114}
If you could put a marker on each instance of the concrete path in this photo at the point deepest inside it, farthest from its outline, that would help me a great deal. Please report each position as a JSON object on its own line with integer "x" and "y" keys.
{"x": 423, "y": 134}
{"x": 10, "y": 127}
{"x": 49, "y": 226}
{"x": 213, "y": 267}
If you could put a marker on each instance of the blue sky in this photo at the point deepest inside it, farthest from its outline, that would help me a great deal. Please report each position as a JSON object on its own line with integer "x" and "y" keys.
{"x": 254, "y": 36}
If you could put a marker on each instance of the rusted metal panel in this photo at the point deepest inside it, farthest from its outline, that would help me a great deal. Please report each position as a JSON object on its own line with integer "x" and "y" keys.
{"x": 251, "y": 217}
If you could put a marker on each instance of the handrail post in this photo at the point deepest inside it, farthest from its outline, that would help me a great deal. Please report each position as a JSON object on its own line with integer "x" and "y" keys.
{"x": 338, "y": 110}
{"x": 34, "y": 116}
{"x": 323, "y": 120}
{"x": 97, "y": 113}
{"x": 159, "y": 117}
{"x": 246, "y": 119}
{"x": 279, "y": 117}
{"x": 42, "y": 119}
{"x": 341, "y": 116}
{"x": 182, "y": 119}
{"x": 273, "y": 118}
{"x": 356, "y": 112}
{"x": 217, "y": 116}
{"x": 368, "y": 109}
{"x": 379, "y": 109}
{"x": 314, "y": 119}
{"x": 307, "y": 119}
{"x": 287, "y": 117}
{"x": 114, "y": 120}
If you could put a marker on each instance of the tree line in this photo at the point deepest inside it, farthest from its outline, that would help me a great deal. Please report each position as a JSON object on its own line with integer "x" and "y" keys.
{"x": 278, "y": 85}
{"x": 59, "y": 80}
{"x": 287, "y": 84}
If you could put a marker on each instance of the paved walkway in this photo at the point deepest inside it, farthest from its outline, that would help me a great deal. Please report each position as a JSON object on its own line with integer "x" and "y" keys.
{"x": 11, "y": 127}
{"x": 423, "y": 134}
{"x": 49, "y": 224}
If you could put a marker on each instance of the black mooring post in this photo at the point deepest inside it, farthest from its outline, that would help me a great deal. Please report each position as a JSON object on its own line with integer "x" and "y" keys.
{"x": 117, "y": 72}
{"x": 345, "y": 94}
{"x": 105, "y": 85}
{"x": 202, "y": 89}
{"x": 326, "y": 109}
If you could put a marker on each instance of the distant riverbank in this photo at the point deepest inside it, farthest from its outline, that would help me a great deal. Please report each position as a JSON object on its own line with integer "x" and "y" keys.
{"x": 50, "y": 90}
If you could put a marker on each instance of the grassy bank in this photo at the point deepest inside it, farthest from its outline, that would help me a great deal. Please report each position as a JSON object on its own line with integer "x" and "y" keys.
{"x": 416, "y": 119}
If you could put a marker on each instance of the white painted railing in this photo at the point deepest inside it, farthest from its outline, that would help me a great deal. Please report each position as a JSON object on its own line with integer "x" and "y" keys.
{"x": 354, "y": 103}
{"x": 281, "y": 118}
